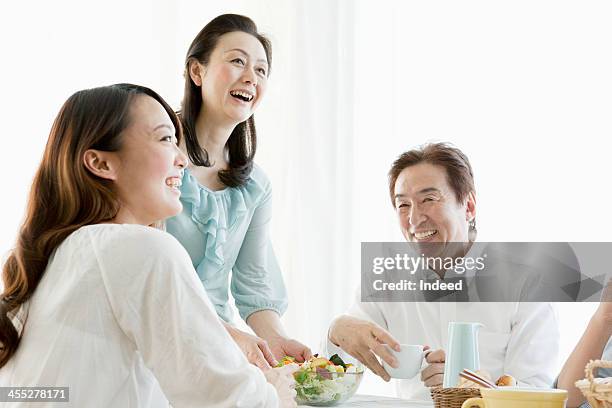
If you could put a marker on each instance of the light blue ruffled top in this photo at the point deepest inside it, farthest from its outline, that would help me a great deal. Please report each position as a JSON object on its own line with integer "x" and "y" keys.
{"x": 228, "y": 230}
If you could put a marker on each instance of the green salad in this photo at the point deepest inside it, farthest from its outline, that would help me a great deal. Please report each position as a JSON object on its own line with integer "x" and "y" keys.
{"x": 321, "y": 380}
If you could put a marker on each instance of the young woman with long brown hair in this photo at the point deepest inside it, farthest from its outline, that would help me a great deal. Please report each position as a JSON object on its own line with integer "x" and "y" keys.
{"x": 97, "y": 300}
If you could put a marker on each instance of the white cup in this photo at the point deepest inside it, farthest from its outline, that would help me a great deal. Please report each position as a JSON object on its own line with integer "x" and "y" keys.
{"x": 409, "y": 358}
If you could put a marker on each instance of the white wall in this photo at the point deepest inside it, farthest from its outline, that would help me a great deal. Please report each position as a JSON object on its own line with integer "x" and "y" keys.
{"x": 521, "y": 87}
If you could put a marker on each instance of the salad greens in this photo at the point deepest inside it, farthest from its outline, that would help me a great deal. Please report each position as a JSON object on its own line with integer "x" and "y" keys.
{"x": 321, "y": 380}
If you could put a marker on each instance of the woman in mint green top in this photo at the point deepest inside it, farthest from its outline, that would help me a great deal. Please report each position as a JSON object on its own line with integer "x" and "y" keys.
{"x": 227, "y": 231}
{"x": 226, "y": 198}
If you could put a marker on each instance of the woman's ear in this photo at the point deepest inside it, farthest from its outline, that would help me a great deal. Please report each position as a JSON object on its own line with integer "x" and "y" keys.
{"x": 196, "y": 71}
{"x": 101, "y": 164}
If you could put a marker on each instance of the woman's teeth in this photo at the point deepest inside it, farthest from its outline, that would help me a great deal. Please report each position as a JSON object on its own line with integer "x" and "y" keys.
{"x": 424, "y": 234}
{"x": 173, "y": 182}
{"x": 246, "y": 97}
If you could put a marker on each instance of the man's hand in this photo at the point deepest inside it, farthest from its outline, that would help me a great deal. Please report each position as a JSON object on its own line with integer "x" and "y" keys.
{"x": 433, "y": 374}
{"x": 364, "y": 341}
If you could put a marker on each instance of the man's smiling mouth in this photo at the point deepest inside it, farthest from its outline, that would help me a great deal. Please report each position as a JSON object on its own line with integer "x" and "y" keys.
{"x": 421, "y": 235}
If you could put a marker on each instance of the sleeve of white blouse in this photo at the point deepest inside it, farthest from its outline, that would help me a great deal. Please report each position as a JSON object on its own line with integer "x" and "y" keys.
{"x": 257, "y": 281}
{"x": 531, "y": 356}
{"x": 162, "y": 307}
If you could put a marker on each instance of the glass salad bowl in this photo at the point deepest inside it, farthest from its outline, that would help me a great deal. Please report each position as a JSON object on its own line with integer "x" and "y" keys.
{"x": 323, "y": 383}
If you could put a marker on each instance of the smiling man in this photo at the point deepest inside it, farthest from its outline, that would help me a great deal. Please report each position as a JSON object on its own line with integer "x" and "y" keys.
{"x": 432, "y": 191}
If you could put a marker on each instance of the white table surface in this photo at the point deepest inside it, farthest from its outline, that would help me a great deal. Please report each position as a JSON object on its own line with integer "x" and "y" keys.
{"x": 371, "y": 401}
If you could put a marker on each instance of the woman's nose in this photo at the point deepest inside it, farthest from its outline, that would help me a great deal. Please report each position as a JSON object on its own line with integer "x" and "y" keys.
{"x": 249, "y": 76}
{"x": 181, "y": 159}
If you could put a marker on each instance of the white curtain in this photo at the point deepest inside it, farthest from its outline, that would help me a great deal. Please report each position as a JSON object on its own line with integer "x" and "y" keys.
{"x": 305, "y": 124}
{"x": 310, "y": 156}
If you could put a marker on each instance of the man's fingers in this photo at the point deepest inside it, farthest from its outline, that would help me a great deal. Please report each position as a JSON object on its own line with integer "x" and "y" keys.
{"x": 384, "y": 337}
{"x": 355, "y": 352}
{"x": 432, "y": 370}
{"x": 436, "y": 356}
{"x": 435, "y": 380}
{"x": 372, "y": 363}
{"x": 267, "y": 353}
{"x": 383, "y": 352}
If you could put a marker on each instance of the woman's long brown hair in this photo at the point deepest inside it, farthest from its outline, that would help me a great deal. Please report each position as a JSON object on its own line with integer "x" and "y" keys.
{"x": 65, "y": 195}
{"x": 242, "y": 143}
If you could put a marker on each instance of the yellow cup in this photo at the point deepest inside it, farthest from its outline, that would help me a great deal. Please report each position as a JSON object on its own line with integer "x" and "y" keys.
{"x": 512, "y": 397}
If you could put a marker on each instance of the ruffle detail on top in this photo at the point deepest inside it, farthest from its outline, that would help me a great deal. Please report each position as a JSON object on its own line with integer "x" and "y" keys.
{"x": 215, "y": 212}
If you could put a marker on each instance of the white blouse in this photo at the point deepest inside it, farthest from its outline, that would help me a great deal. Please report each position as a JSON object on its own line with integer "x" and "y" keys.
{"x": 121, "y": 318}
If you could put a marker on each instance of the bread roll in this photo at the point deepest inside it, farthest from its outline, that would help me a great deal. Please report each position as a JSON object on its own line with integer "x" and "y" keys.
{"x": 506, "y": 381}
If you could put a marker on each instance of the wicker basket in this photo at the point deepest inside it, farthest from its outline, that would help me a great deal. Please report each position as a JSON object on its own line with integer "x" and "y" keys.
{"x": 452, "y": 397}
{"x": 598, "y": 391}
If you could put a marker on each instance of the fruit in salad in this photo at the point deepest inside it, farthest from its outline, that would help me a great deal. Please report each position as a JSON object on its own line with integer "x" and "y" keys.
{"x": 286, "y": 360}
{"x": 320, "y": 362}
{"x": 320, "y": 379}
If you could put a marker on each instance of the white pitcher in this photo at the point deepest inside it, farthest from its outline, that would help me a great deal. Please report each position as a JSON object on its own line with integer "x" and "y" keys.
{"x": 462, "y": 351}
